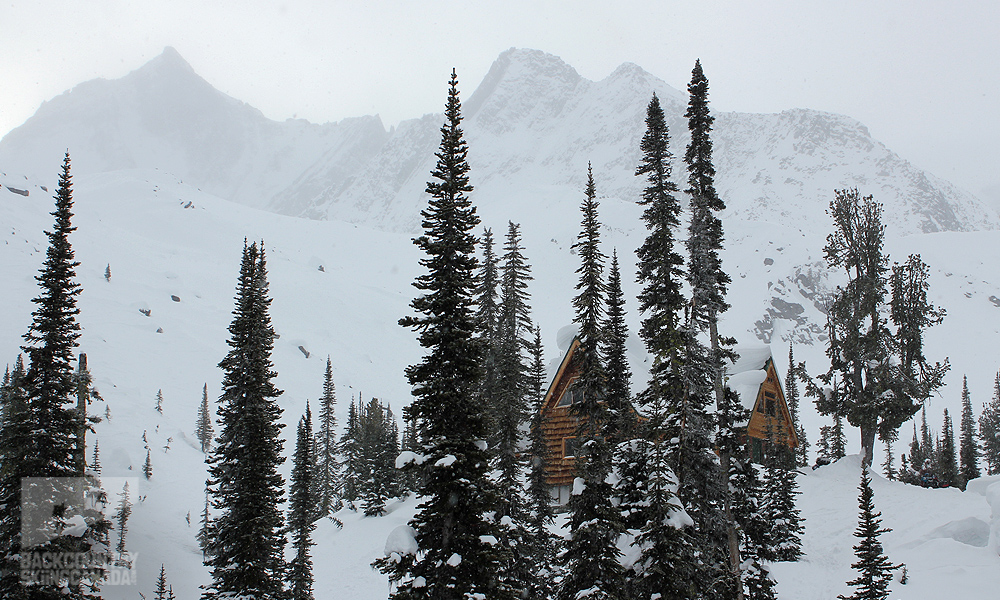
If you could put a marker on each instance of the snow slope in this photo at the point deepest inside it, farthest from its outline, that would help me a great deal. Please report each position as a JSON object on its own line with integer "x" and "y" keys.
{"x": 163, "y": 238}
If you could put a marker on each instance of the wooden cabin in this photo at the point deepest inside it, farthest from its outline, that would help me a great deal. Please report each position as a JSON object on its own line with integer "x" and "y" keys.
{"x": 559, "y": 427}
{"x": 756, "y": 380}
{"x": 753, "y": 376}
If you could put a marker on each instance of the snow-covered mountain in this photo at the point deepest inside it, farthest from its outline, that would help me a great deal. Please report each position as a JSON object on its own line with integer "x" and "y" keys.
{"x": 171, "y": 176}
{"x": 532, "y": 124}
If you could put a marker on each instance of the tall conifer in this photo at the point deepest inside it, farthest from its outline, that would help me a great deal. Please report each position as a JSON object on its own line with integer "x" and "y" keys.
{"x": 711, "y": 505}
{"x": 666, "y": 563}
{"x": 48, "y": 423}
{"x": 327, "y": 462}
{"x": 968, "y": 447}
{"x": 302, "y": 500}
{"x": 204, "y": 429}
{"x": 455, "y": 559}
{"x": 989, "y": 430}
{"x": 542, "y": 542}
{"x": 246, "y": 549}
{"x": 873, "y": 566}
{"x": 591, "y": 554}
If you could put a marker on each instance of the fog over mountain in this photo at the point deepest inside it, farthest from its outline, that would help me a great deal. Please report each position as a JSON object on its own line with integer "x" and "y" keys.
{"x": 532, "y": 124}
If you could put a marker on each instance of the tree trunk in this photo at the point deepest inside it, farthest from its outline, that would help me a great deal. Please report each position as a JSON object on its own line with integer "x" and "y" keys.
{"x": 868, "y": 431}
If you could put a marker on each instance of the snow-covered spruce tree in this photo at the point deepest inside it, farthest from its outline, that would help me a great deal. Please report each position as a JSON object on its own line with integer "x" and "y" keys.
{"x": 877, "y": 363}
{"x": 628, "y": 459}
{"x": 590, "y": 556}
{"x": 792, "y": 397}
{"x": 349, "y": 450}
{"x": 379, "y": 446}
{"x": 121, "y": 516}
{"x": 50, "y": 425}
{"x": 408, "y": 442}
{"x": 873, "y": 566}
{"x": 541, "y": 543}
{"x": 511, "y": 405}
{"x": 204, "y": 526}
{"x": 455, "y": 559}
{"x": 666, "y": 564}
{"x": 711, "y": 505}
{"x": 159, "y": 401}
{"x": 160, "y": 593}
{"x": 756, "y": 542}
{"x": 968, "y": 448}
{"x": 780, "y": 510}
{"x": 204, "y": 429}
{"x": 302, "y": 511}
{"x": 989, "y": 431}
{"x": 946, "y": 467}
{"x": 889, "y": 462}
{"x": 147, "y": 467}
{"x": 246, "y": 549}
{"x": 487, "y": 328}
{"x": 327, "y": 481}
{"x": 14, "y": 438}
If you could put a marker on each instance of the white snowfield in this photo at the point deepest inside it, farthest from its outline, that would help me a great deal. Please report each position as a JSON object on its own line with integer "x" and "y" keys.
{"x": 339, "y": 289}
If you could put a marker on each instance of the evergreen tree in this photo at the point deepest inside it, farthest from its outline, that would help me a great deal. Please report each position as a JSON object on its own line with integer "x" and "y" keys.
{"x": 888, "y": 465}
{"x": 246, "y": 547}
{"x": 619, "y": 375}
{"x": 968, "y": 448}
{"x": 590, "y": 555}
{"x": 711, "y": 507}
{"x": 204, "y": 534}
{"x": 302, "y": 501}
{"x": 121, "y": 522}
{"x": 877, "y": 362}
{"x": 487, "y": 327}
{"x": 989, "y": 431}
{"x": 159, "y": 401}
{"x": 946, "y": 468}
{"x": 541, "y": 544}
{"x": 792, "y": 397}
{"x": 204, "y": 430}
{"x": 666, "y": 563}
{"x": 95, "y": 462}
{"x": 782, "y": 515}
{"x": 147, "y": 467}
{"x": 757, "y": 544}
{"x": 14, "y": 435}
{"x": 327, "y": 463}
{"x": 379, "y": 446}
{"x": 349, "y": 449}
{"x": 47, "y": 418}
{"x": 511, "y": 410}
{"x": 874, "y": 568}
{"x": 455, "y": 559}
{"x": 926, "y": 442}
{"x": 838, "y": 440}
{"x": 161, "y": 592}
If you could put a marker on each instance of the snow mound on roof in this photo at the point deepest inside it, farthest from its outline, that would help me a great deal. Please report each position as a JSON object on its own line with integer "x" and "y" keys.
{"x": 746, "y": 374}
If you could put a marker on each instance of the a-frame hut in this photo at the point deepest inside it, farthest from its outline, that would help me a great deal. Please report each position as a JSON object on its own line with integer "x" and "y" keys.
{"x": 756, "y": 380}
{"x": 559, "y": 427}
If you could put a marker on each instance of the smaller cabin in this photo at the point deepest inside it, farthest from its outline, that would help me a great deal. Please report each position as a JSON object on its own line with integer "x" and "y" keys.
{"x": 754, "y": 377}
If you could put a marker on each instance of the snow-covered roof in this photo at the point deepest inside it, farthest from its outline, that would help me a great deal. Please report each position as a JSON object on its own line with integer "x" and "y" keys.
{"x": 747, "y": 373}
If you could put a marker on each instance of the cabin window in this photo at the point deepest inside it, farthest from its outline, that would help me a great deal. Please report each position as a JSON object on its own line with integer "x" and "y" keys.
{"x": 768, "y": 406}
{"x": 572, "y": 395}
{"x": 569, "y": 447}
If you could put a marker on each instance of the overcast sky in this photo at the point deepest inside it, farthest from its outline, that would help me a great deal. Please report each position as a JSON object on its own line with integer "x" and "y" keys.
{"x": 924, "y": 76}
